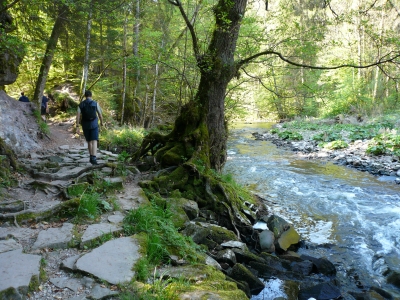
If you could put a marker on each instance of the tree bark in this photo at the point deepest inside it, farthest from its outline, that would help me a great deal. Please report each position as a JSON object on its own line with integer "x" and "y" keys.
{"x": 217, "y": 68}
{"x": 124, "y": 73}
{"x": 200, "y": 130}
{"x": 87, "y": 48}
{"x": 48, "y": 57}
{"x": 136, "y": 30}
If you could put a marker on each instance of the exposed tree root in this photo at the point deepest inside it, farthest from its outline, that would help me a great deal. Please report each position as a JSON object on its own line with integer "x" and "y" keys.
{"x": 30, "y": 215}
{"x": 56, "y": 176}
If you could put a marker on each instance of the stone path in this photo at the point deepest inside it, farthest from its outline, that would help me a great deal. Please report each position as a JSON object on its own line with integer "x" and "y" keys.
{"x": 78, "y": 265}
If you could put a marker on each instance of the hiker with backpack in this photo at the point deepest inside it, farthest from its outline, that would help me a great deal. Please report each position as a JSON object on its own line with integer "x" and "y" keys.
{"x": 44, "y": 108}
{"x": 23, "y": 98}
{"x": 90, "y": 110}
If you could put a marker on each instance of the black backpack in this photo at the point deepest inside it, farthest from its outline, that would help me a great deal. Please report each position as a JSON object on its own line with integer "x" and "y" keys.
{"x": 88, "y": 110}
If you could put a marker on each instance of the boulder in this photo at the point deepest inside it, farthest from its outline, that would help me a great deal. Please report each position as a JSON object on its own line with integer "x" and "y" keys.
{"x": 267, "y": 240}
{"x": 240, "y": 273}
{"x": 244, "y": 257}
{"x": 322, "y": 291}
{"x": 235, "y": 244}
{"x": 277, "y": 225}
{"x": 208, "y": 234}
{"x": 242, "y": 285}
{"x": 394, "y": 278}
{"x": 322, "y": 265}
{"x": 287, "y": 238}
{"x": 9, "y": 62}
{"x": 226, "y": 256}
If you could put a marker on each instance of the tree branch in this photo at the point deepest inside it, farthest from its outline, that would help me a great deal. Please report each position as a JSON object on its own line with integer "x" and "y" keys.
{"x": 268, "y": 52}
{"x": 189, "y": 26}
{"x": 192, "y": 21}
{"x": 9, "y": 6}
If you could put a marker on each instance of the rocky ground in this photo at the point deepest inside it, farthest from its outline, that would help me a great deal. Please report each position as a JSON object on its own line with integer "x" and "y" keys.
{"x": 353, "y": 156}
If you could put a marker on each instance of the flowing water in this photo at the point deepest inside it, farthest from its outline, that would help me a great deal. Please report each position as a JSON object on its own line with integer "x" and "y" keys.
{"x": 355, "y": 213}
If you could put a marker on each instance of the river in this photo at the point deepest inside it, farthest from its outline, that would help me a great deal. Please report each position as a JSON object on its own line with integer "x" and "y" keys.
{"x": 348, "y": 216}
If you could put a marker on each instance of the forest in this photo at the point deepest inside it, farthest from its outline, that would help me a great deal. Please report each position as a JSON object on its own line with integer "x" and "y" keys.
{"x": 185, "y": 70}
{"x": 138, "y": 57}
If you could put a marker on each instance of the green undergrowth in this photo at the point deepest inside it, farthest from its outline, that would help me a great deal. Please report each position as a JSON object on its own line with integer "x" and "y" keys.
{"x": 43, "y": 127}
{"x": 162, "y": 237}
{"x": 386, "y": 143}
{"x": 382, "y": 133}
{"x": 213, "y": 285}
{"x": 119, "y": 139}
{"x": 93, "y": 198}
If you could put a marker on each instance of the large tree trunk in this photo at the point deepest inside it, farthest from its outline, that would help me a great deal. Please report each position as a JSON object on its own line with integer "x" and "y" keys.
{"x": 201, "y": 128}
{"x": 197, "y": 142}
{"x": 48, "y": 57}
{"x": 217, "y": 69}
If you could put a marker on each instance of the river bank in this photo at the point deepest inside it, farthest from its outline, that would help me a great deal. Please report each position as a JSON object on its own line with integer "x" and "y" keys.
{"x": 341, "y": 213}
{"x": 346, "y": 142}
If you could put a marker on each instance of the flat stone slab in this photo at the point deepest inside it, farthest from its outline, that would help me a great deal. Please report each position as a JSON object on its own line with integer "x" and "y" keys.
{"x": 97, "y": 230}
{"x": 116, "y": 218}
{"x": 113, "y": 261}
{"x": 17, "y": 233}
{"x": 74, "y": 284}
{"x": 17, "y": 269}
{"x": 131, "y": 198}
{"x": 99, "y": 292}
{"x": 68, "y": 264}
{"x": 9, "y": 245}
{"x": 54, "y": 237}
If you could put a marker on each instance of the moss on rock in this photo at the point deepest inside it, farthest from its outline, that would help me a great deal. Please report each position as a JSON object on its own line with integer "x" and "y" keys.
{"x": 288, "y": 238}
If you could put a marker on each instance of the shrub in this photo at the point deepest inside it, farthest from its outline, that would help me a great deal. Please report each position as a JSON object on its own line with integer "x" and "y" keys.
{"x": 336, "y": 145}
{"x": 121, "y": 139}
{"x": 384, "y": 143}
{"x": 289, "y": 135}
{"x": 327, "y": 137}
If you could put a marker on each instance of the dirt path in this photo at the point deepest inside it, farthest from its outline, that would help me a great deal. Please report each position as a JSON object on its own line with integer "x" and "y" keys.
{"x": 54, "y": 162}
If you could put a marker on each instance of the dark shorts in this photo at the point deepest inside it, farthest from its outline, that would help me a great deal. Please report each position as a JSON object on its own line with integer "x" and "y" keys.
{"x": 43, "y": 111}
{"x": 91, "y": 134}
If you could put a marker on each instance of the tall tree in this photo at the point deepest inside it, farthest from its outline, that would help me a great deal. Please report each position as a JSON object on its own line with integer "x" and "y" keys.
{"x": 200, "y": 131}
{"x": 61, "y": 19}
{"x": 87, "y": 48}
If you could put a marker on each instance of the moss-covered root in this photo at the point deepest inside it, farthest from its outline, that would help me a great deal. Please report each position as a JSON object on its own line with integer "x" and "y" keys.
{"x": 64, "y": 208}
